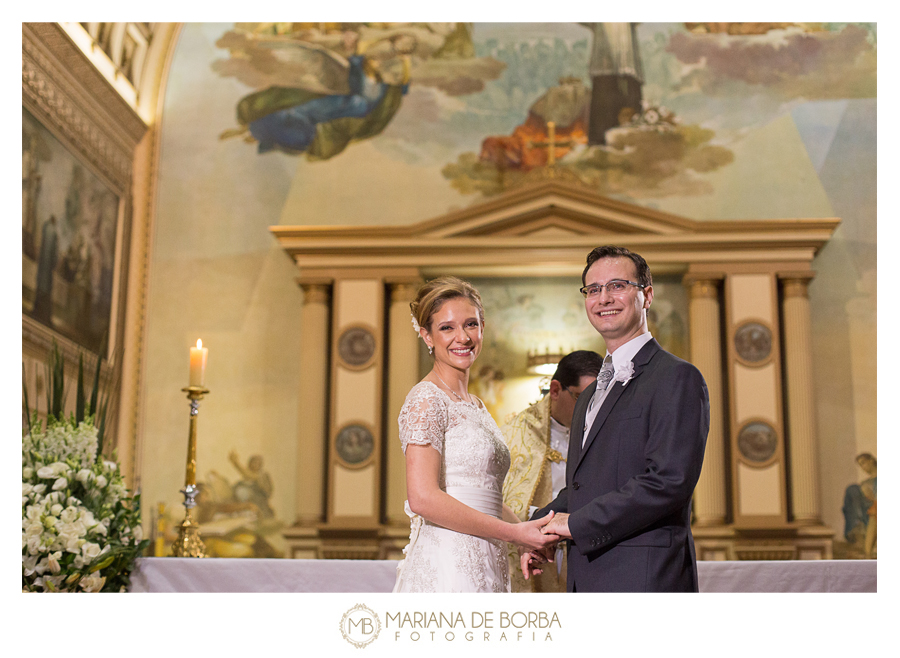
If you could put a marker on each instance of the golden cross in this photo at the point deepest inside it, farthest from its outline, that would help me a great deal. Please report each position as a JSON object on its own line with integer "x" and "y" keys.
{"x": 551, "y": 143}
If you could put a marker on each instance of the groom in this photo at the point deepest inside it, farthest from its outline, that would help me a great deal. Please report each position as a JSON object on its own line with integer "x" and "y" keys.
{"x": 635, "y": 449}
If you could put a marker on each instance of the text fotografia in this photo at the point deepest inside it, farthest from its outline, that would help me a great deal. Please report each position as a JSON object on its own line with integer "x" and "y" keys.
{"x": 478, "y": 626}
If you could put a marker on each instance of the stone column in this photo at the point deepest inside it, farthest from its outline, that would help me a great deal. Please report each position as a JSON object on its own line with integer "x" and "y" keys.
{"x": 312, "y": 437}
{"x": 801, "y": 417}
{"x": 706, "y": 354}
{"x": 403, "y": 373}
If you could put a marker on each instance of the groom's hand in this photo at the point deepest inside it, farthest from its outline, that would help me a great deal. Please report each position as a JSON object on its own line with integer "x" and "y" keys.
{"x": 531, "y": 561}
{"x": 531, "y": 536}
{"x": 559, "y": 525}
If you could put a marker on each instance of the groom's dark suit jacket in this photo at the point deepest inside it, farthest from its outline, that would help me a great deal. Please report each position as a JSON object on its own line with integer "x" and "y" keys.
{"x": 628, "y": 491}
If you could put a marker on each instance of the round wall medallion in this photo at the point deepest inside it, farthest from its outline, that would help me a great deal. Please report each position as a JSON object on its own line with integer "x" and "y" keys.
{"x": 757, "y": 441}
{"x": 753, "y": 342}
{"x": 354, "y": 444}
{"x": 356, "y": 346}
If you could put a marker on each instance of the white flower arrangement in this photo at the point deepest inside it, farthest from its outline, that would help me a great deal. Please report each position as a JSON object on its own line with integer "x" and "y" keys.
{"x": 81, "y": 529}
{"x": 625, "y": 373}
{"x": 415, "y": 323}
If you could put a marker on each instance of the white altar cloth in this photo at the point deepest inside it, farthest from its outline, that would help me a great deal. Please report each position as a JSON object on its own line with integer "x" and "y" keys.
{"x": 170, "y": 574}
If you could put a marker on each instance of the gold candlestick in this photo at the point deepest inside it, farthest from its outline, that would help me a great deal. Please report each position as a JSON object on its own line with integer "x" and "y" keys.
{"x": 189, "y": 543}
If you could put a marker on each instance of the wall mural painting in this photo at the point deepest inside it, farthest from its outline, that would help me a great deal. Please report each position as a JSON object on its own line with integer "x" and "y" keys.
{"x": 69, "y": 225}
{"x": 543, "y": 315}
{"x": 233, "y": 511}
{"x": 510, "y": 104}
{"x": 596, "y": 128}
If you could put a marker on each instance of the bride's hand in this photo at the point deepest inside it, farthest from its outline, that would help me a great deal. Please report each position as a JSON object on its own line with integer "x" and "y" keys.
{"x": 530, "y": 536}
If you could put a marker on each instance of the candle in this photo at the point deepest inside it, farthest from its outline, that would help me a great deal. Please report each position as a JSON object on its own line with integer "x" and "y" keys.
{"x": 198, "y": 363}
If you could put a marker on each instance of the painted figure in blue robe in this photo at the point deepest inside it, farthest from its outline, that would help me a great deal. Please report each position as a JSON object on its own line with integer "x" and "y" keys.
{"x": 860, "y": 502}
{"x": 320, "y": 125}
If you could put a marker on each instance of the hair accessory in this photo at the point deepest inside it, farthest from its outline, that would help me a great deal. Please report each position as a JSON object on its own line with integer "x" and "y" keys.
{"x": 415, "y": 324}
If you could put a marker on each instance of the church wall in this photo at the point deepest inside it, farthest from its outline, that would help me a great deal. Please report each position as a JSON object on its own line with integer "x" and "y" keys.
{"x": 216, "y": 275}
{"x": 749, "y": 139}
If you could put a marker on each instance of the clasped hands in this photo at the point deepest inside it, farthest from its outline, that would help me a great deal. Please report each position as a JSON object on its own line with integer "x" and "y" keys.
{"x": 557, "y": 527}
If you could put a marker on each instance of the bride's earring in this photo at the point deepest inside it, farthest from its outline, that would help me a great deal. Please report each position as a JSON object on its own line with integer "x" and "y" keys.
{"x": 430, "y": 349}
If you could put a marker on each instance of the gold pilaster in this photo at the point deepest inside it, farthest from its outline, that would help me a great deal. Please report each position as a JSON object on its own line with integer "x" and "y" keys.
{"x": 402, "y": 376}
{"x": 800, "y": 408}
{"x": 309, "y": 502}
{"x": 706, "y": 353}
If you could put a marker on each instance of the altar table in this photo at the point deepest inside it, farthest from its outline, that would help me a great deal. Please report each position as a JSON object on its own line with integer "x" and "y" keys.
{"x": 171, "y": 574}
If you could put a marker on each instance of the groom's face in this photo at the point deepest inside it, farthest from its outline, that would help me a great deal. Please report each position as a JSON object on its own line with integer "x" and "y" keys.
{"x": 620, "y": 317}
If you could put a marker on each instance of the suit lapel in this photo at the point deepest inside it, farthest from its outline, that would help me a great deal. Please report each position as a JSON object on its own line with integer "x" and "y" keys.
{"x": 641, "y": 359}
{"x": 577, "y": 429}
{"x": 608, "y": 403}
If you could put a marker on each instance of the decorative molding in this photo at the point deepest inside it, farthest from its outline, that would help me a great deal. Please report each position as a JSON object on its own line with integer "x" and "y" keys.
{"x": 357, "y": 346}
{"x": 753, "y": 343}
{"x": 354, "y": 444}
{"x": 547, "y": 230}
{"x": 758, "y": 442}
{"x": 60, "y": 85}
{"x": 144, "y": 183}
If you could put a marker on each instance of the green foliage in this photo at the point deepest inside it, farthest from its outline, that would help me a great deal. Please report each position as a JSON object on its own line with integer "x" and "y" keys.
{"x": 56, "y": 384}
{"x": 95, "y": 408}
{"x": 79, "y": 391}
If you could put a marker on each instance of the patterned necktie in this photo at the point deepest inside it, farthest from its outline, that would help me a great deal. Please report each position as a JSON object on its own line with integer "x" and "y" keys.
{"x": 603, "y": 379}
{"x": 606, "y": 374}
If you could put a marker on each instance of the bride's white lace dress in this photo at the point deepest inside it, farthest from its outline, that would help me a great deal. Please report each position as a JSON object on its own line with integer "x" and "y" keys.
{"x": 474, "y": 462}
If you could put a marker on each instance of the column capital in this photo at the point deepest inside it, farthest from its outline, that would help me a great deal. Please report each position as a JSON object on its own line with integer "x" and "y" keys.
{"x": 316, "y": 293}
{"x": 702, "y": 287}
{"x": 796, "y": 286}
{"x": 403, "y": 292}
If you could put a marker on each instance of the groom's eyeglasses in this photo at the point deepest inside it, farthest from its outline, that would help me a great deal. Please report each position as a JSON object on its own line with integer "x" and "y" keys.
{"x": 614, "y": 287}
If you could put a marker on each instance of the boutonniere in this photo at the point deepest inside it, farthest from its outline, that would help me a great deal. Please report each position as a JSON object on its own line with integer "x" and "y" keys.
{"x": 625, "y": 373}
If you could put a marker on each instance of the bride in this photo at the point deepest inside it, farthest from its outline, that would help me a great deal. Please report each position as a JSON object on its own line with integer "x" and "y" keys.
{"x": 455, "y": 459}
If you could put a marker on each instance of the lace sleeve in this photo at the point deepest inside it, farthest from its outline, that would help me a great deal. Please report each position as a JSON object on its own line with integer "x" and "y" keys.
{"x": 423, "y": 418}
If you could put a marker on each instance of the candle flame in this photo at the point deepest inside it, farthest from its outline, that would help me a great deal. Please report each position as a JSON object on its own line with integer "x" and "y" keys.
{"x": 199, "y": 343}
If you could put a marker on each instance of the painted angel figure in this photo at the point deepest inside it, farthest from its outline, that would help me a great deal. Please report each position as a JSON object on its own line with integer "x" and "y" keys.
{"x": 361, "y": 102}
{"x": 320, "y": 89}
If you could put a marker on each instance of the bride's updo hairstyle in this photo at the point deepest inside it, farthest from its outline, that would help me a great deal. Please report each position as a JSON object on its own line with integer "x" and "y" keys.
{"x": 434, "y": 293}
